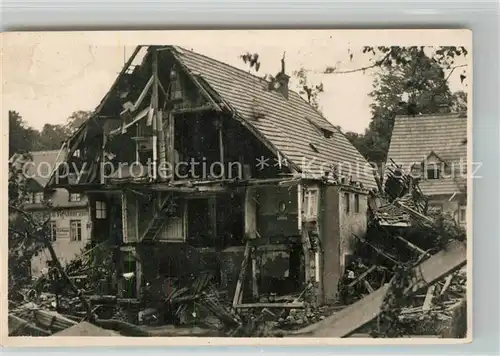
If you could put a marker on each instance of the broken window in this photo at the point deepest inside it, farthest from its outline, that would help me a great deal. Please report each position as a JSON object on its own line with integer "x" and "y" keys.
{"x": 75, "y": 230}
{"x": 100, "y": 210}
{"x": 347, "y": 205}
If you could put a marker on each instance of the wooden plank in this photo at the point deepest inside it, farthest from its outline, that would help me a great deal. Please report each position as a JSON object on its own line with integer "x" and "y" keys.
{"x": 238, "y": 293}
{"x": 354, "y": 316}
{"x": 18, "y": 326}
{"x": 255, "y": 286}
{"x": 362, "y": 276}
{"x": 250, "y": 213}
{"x": 412, "y": 246}
{"x": 368, "y": 287}
{"x": 447, "y": 283}
{"x": 428, "y": 298}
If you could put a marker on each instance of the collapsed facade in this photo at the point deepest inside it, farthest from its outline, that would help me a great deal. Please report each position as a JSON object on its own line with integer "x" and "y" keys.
{"x": 191, "y": 165}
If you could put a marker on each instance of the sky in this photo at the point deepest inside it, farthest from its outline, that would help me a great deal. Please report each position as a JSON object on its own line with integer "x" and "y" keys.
{"x": 47, "y": 76}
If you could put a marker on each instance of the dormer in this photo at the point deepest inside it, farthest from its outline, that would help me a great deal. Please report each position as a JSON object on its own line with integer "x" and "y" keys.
{"x": 433, "y": 166}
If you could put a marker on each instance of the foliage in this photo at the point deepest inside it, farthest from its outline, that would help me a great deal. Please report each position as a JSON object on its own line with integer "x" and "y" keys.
{"x": 23, "y": 138}
{"x": 75, "y": 120}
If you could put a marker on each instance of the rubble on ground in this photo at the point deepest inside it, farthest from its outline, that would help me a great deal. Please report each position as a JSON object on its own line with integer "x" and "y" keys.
{"x": 401, "y": 234}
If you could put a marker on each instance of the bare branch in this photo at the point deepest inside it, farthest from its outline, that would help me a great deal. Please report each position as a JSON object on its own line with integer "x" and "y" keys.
{"x": 362, "y": 69}
{"x": 452, "y": 69}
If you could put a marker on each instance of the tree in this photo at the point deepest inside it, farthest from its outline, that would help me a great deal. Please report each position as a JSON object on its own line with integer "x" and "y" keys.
{"x": 76, "y": 119}
{"x": 409, "y": 82}
{"x": 51, "y": 137}
{"x": 459, "y": 103}
{"x": 21, "y": 136}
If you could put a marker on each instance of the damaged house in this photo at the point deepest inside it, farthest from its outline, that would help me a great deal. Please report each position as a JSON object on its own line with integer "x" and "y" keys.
{"x": 433, "y": 150}
{"x": 191, "y": 166}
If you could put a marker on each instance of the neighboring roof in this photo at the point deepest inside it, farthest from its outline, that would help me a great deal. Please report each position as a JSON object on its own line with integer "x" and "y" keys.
{"x": 39, "y": 168}
{"x": 43, "y": 163}
{"x": 415, "y": 138}
{"x": 291, "y": 125}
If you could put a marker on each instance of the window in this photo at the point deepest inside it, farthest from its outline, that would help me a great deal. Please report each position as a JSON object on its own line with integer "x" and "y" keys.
{"x": 311, "y": 203}
{"x": 38, "y": 197}
{"x": 175, "y": 85}
{"x": 100, "y": 210}
{"x": 356, "y": 203}
{"x": 462, "y": 214}
{"x": 75, "y": 230}
{"x": 75, "y": 197}
{"x": 53, "y": 231}
{"x": 347, "y": 203}
{"x": 433, "y": 173}
{"x": 29, "y": 198}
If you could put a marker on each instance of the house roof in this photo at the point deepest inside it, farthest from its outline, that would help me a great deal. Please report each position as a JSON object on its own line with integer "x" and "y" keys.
{"x": 290, "y": 125}
{"x": 39, "y": 169}
{"x": 40, "y": 166}
{"x": 414, "y": 139}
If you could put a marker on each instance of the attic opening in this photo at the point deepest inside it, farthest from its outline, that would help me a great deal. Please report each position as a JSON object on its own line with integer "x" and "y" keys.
{"x": 322, "y": 130}
{"x": 313, "y": 147}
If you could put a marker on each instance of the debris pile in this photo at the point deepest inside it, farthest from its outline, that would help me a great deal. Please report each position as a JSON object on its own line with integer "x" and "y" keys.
{"x": 401, "y": 234}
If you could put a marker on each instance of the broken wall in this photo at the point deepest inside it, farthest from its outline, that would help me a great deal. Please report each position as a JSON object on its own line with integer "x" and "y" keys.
{"x": 353, "y": 219}
{"x": 451, "y": 207}
{"x": 277, "y": 212}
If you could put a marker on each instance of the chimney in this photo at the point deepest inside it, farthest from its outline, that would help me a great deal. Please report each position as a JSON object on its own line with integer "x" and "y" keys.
{"x": 282, "y": 78}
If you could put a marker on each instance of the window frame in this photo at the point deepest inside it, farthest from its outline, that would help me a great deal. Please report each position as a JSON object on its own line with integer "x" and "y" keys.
{"x": 101, "y": 210}
{"x": 78, "y": 230}
{"x": 311, "y": 201}
{"x": 436, "y": 174}
{"x": 356, "y": 203}
{"x": 347, "y": 203}
{"x": 53, "y": 230}
{"x": 462, "y": 209}
{"x": 38, "y": 197}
